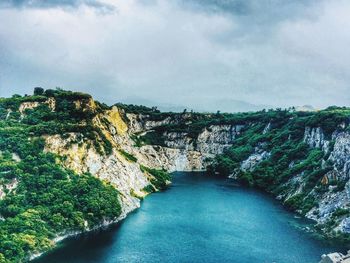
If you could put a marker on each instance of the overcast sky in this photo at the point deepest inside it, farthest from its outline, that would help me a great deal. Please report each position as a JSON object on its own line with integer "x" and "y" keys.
{"x": 196, "y": 53}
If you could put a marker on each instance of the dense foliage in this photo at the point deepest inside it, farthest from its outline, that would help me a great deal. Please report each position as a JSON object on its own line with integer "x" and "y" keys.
{"x": 289, "y": 156}
{"x": 283, "y": 140}
{"x": 43, "y": 199}
{"x": 160, "y": 178}
{"x": 193, "y": 123}
{"x": 40, "y": 200}
{"x": 74, "y": 112}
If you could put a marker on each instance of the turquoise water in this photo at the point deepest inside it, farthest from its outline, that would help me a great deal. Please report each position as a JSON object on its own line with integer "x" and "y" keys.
{"x": 199, "y": 219}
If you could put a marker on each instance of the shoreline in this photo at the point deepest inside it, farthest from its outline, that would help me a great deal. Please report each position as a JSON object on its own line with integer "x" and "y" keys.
{"x": 69, "y": 234}
{"x": 317, "y": 234}
{"x": 104, "y": 224}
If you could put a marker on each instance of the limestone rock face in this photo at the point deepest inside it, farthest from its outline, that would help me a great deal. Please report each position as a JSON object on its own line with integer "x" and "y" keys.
{"x": 335, "y": 258}
{"x": 33, "y": 104}
{"x": 328, "y": 203}
{"x": 333, "y": 199}
{"x": 253, "y": 160}
{"x": 212, "y": 140}
{"x": 9, "y": 187}
{"x": 140, "y": 123}
{"x": 28, "y": 105}
{"x": 192, "y": 152}
{"x": 181, "y": 152}
{"x": 337, "y": 158}
{"x": 172, "y": 159}
{"x": 345, "y": 225}
{"x": 315, "y": 138}
{"x": 126, "y": 176}
{"x": 340, "y": 155}
{"x": 217, "y": 138}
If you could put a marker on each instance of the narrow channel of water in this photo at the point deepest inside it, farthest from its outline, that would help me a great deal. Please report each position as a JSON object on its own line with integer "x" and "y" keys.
{"x": 199, "y": 219}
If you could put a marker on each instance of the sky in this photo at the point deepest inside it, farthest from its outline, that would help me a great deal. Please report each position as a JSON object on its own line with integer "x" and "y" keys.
{"x": 229, "y": 55}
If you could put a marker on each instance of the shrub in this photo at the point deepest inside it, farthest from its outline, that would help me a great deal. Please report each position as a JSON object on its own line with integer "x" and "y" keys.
{"x": 160, "y": 179}
{"x": 340, "y": 212}
{"x": 148, "y": 189}
{"x": 128, "y": 156}
{"x": 38, "y": 91}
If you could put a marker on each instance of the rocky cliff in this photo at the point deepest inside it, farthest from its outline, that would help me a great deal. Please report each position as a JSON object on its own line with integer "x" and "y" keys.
{"x": 301, "y": 158}
{"x": 301, "y": 164}
{"x": 180, "y": 149}
{"x": 334, "y": 203}
{"x": 179, "y": 152}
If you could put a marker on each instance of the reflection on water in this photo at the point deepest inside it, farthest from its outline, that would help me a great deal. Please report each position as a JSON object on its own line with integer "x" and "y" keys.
{"x": 199, "y": 219}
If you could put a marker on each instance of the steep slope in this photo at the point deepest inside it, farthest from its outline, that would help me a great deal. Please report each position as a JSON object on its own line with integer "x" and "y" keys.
{"x": 53, "y": 147}
{"x": 74, "y": 164}
{"x": 303, "y": 158}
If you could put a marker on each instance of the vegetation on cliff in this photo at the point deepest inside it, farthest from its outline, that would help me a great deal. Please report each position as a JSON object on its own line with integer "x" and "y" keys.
{"x": 40, "y": 199}
{"x": 160, "y": 177}
{"x": 270, "y": 152}
{"x": 46, "y": 200}
{"x": 284, "y": 141}
{"x": 291, "y": 166}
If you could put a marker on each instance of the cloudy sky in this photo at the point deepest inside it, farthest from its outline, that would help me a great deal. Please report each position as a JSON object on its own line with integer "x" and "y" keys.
{"x": 204, "y": 54}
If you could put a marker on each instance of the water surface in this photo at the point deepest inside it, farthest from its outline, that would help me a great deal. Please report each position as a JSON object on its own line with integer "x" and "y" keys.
{"x": 199, "y": 219}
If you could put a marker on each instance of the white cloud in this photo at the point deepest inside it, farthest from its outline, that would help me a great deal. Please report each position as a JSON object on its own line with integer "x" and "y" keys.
{"x": 167, "y": 52}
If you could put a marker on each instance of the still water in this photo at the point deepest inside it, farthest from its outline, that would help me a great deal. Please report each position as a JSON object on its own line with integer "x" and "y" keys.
{"x": 199, "y": 219}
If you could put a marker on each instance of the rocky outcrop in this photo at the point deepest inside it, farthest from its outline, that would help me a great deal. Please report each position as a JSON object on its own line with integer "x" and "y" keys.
{"x": 328, "y": 203}
{"x": 8, "y": 187}
{"x": 28, "y": 105}
{"x": 126, "y": 176}
{"x": 139, "y": 123}
{"x": 110, "y": 143}
{"x": 181, "y": 153}
{"x": 171, "y": 159}
{"x": 212, "y": 140}
{"x": 253, "y": 160}
{"x": 335, "y": 258}
{"x": 340, "y": 155}
{"x": 332, "y": 203}
{"x": 188, "y": 152}
{"x": 315, "y": 138}
{"x": 336, "y": 198}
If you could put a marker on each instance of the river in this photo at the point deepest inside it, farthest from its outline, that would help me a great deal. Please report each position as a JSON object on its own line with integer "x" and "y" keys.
{"x": 199, "y": 219}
